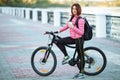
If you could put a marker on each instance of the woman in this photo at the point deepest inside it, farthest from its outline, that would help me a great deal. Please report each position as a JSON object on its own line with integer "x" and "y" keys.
{"x": 74, "y": 38}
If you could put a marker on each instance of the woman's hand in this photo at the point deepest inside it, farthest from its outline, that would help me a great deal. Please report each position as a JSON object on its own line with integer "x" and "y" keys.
{"x": 70, "y": 25}
{"x": 58, "y": 31}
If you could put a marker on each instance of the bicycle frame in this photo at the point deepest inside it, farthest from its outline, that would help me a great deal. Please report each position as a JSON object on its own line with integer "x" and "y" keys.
{"x": 54, "y": 39}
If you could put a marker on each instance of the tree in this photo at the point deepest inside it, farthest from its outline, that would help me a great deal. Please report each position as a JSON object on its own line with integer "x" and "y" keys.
{"x": 117, "y": 3}
{"x": 48, "y": 3}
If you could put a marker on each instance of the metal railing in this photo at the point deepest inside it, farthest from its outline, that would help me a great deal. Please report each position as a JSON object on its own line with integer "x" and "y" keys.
{"x": 106, "y": 26}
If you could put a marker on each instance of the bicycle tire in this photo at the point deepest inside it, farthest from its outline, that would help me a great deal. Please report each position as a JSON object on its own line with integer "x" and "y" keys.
{"x": 33, "y": 62}
{"x": 104, "y": 61}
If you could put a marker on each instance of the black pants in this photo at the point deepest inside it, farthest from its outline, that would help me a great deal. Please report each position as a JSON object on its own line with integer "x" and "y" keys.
{"x": 79, "y": 46}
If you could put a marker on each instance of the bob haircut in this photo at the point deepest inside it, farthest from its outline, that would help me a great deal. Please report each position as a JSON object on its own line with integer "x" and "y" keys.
{"x": 78, "y": 7}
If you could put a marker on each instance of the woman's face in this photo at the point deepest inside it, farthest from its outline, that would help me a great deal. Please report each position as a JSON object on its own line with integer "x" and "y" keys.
{"x": 74, "y": 10}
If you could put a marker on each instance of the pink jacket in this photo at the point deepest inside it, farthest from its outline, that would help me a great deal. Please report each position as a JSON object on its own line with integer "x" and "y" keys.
{"x": 75, "y": 32}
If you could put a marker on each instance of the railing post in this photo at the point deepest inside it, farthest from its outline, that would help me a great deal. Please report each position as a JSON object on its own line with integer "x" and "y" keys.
{"x": 18, "y": 11}
{"x": 44, "y": 16}
{"x": 7, "y": 10}
{"x": 39, "y": 15}
{"x": 34, "y": 15}
{"x": 57, "y": 18}
{"x": 27, "y": 13}
{"x": 3, "y": 10}
{"x": 10, "y": 11}
{"x": 22, "y": 12}
{"x": 0, "y": 9}
{"x": 100, "y": 26}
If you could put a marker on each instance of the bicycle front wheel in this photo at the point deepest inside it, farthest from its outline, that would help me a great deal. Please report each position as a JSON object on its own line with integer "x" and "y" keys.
{"x": 43, "y": 61}
{"x": 95, "y": 61}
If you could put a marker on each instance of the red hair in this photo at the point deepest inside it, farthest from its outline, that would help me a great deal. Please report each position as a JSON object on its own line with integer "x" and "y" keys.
{"x": 78, "y": 8}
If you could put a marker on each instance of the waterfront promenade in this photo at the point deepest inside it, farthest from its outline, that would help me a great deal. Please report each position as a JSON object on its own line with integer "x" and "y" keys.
{"x": 18, "y": 39}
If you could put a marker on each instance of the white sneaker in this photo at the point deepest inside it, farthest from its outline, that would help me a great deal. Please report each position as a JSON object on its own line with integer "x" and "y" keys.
{"x": 79, "y": 75}
{"x": 65, "y": 60}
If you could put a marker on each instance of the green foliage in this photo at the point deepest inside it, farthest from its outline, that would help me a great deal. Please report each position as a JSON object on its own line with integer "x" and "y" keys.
{"x": 46, "y": 3}
{"x": 12, "y": 3}
{"x": 38, "y": 4}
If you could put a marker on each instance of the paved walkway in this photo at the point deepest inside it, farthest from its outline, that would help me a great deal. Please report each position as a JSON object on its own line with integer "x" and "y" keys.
{"x": 19, "y": 38}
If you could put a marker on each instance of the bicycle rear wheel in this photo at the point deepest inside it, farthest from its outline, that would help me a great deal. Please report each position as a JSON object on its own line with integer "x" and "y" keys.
{"x": 43, "y": 61}
{"x": 95, "y": 61}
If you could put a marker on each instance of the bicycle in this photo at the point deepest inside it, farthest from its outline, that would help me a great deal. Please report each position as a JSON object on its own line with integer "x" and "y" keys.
{"x": 44, "y": 61}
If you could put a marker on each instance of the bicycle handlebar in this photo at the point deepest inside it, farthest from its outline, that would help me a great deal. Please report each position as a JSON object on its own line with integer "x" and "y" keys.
{"x": 52, "y": 33}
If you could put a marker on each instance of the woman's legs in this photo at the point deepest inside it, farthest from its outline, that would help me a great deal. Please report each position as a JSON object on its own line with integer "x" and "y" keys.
{"x": 61, "y": 45}
{"x": 79, "y": 46}
{"x": 62, "y": 42}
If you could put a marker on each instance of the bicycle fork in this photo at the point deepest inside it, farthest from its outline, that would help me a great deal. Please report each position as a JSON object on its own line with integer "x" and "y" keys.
{"x": 47, "y": 53}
